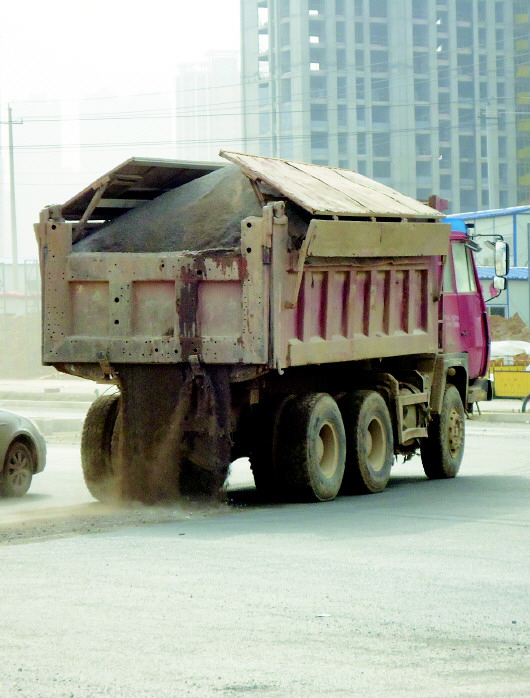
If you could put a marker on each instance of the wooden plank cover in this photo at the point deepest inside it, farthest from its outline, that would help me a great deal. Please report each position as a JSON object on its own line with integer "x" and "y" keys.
{"x": 329, "y": 190}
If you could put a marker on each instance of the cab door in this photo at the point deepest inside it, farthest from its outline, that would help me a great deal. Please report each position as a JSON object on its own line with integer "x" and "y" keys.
{"x": 471, "y": 310}
{"x": 451, "y": 339}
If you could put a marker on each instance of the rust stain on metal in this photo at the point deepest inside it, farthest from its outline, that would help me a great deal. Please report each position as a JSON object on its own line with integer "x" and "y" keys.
{"x": 243, "y": 268}
{"x": 195, "y": 271}
{"x": 187, "y": 303}
{"x": 190, "y": 346}
{"x": 224, "y": 261}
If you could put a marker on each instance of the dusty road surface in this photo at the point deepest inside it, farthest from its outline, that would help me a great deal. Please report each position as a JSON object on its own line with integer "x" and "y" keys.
{"x": 422, "y": 590}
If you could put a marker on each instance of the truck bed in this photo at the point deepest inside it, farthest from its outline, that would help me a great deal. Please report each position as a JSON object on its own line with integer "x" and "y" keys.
{"x": 358, "y": 287}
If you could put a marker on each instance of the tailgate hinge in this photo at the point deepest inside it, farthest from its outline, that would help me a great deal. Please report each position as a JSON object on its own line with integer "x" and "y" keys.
{"x": 108, "y": 372}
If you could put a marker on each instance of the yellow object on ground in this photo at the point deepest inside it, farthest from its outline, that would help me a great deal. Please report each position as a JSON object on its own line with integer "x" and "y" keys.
{"x": 510, "y": 381}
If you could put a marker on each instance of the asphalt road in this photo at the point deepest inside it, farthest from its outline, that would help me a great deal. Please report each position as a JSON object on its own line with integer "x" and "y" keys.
{"x": 422, "y": 590}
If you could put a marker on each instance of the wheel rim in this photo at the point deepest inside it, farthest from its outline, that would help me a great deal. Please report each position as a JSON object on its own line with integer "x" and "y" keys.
{"x": 328, "y": 449}
{"x": 455, "y": 432}
{"x": 19, "y": 468}
{"x": 375, "y": 443}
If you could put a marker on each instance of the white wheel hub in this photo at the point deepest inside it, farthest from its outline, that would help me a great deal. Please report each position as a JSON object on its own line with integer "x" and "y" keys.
{"x": 328, "y": 449}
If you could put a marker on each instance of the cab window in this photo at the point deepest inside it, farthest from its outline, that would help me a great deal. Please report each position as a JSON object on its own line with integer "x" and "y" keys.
{"x": 464, "y": 275}
{"x": 448, "y": 275}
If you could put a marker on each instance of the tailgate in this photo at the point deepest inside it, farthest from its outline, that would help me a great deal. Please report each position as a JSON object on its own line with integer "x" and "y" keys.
{"x": 152, "y": 307}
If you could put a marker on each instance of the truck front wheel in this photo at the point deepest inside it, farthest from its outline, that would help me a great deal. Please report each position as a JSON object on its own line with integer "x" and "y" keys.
{"x": 311, "y": 447}
{"x": 442, "y": 450}
{"x": 99, "y": 433}
{"x": 369, "y": 441}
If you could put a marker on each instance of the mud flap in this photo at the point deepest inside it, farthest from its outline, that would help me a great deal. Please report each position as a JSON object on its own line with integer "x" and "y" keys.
{"x": 175, "y": 439}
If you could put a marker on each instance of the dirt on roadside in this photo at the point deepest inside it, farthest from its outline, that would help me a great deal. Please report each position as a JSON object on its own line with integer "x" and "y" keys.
{"x": 62, "y": 522}
{"x": 511, "y": 328}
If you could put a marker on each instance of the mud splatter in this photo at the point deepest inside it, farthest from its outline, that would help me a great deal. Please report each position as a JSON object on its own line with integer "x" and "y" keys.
{"x": 175, "y": 432}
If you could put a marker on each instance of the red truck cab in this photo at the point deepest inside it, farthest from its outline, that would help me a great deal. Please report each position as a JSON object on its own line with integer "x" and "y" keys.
{"x": 465, "y": 317}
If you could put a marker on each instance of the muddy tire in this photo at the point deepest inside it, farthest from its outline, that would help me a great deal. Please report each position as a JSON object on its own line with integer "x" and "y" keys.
{"x": 369, "y": 442}
{"x": 443, "y": 449}
{"x": 99, "y": 433}
{"x": 311, "y": 447}
{"x": 263, "y": 447}
{"x": 526, "y": 403}
{"x": 19, "y": 466}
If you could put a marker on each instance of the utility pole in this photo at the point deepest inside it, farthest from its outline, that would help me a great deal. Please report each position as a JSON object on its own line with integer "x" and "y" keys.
{"x": 12, "y": 200}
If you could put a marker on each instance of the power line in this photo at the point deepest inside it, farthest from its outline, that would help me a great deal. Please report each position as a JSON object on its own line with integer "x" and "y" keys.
{"x": 197, "y": 142}
{"x": 303, "y": 69}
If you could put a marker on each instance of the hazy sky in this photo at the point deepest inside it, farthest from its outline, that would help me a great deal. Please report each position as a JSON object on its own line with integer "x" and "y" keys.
{"x": 58, "y": 56}
{"x": 69, "y": 49}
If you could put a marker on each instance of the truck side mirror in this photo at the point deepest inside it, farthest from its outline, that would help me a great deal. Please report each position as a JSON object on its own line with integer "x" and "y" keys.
{"x": 499, "y": 283}
{"x": 501, "y": 258}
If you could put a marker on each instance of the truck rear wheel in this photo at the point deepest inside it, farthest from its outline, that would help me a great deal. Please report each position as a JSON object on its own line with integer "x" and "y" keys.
{"x": 369, "y": 442}
{"x": 442, "y": 450}
{"x": 99, "y": 433}
{"x": 311, "y": 447}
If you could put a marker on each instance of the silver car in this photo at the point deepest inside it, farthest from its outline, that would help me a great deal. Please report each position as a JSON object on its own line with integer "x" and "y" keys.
{"x": 22, "y": 453}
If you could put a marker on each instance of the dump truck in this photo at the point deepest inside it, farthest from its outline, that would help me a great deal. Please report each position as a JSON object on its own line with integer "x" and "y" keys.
{"x": 305, "y": 316}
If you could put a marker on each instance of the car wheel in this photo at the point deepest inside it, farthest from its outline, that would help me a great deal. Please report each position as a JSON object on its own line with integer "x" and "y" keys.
{"x": 19, "y": 466}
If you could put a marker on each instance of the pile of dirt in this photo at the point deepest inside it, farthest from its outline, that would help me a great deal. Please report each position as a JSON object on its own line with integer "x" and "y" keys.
{"x": 205, "y": 213}
{"x": 61, "y": 522}
{"x": 508, "y": 328}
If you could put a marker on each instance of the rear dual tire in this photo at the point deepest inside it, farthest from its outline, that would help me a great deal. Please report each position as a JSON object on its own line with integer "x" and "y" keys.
{"x": 312, "y": 447}
{"x": 309, "y": 447}
{"x": 369, "y": 442}
{"x": 298, "y": 448}
{"x": 98, "y": 448}
{"x": 264, "y": 425}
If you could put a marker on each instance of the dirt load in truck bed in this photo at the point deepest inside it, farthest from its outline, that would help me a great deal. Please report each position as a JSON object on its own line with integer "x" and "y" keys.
{"x": 205, "y": 213}
{"x": 202, "y": 214}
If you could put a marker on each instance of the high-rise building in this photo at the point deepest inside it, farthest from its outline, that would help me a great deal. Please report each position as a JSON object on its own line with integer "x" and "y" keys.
{"x": 428, "y": 96}
{"x": 522, "y": 96}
